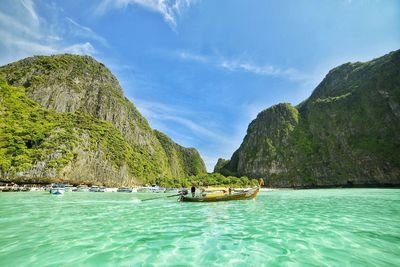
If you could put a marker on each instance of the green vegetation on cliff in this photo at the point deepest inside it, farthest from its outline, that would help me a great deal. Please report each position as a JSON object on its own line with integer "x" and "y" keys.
{"x": 65, "y": 117}
{"x": 207, "y": 179}
{"x": 221, "y": 165}
{"x": 34, "y": 139}
{"x": 182, "y": 161}
{"x": 346, "y": 133}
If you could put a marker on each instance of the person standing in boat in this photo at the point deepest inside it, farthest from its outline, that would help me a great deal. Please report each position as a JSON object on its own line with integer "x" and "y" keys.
{"x": 193, "y": 190}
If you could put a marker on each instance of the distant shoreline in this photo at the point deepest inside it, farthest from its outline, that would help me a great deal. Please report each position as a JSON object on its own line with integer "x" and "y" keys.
{"x": 38, "y": 188}
{"x": 334, "y": 187}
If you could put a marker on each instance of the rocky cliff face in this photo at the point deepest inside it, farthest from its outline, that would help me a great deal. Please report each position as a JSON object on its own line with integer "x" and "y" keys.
{"x": 183, "y": 162}
{"x": 264, "y": 149}
{"x": 346, "y": 133}
{"x": 128, "y": 151}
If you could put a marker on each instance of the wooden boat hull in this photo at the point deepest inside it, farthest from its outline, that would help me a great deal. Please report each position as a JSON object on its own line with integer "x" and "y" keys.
{"x": 248, "y": 194}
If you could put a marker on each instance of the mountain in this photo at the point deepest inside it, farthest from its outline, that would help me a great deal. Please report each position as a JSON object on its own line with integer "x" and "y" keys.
{"x": 347, "y": 133}
{"x": 183, "y": 162}
{"x": 66, "y": 117}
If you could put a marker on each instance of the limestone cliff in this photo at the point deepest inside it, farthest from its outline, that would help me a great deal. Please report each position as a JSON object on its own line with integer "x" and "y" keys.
{"x": 110, "y": 141}
{"x": 346, "y": 133}
{"x": 183, "y": 162}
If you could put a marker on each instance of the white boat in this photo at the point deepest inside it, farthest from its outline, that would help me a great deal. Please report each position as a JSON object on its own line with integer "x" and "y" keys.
{"x": 83, "y": 188}
{"x": 110, "y": 189}
{"x": 125, "y": 190}
{"x": 68, "y": 188}
{"x": 57, "y": 189}
{"x": 157, "y": 189}
{"x": 151, "y": 189}
{"x": 94, "y": 188}
{"x": 102, "y": 189}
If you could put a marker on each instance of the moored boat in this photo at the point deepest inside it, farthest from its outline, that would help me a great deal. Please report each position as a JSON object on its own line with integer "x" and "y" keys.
{"x": 94, "y": 188}
{"x": 68, "y": 188}
{"x": 125, "y": 190}
{"x": 157, "y": 189}
{"x": 151, "y": 189}
{"x": 83, "y": 188}
{"x": 110, "y": 189}
{"x": 57, "y": 189}
{"x": 214, "y": 197}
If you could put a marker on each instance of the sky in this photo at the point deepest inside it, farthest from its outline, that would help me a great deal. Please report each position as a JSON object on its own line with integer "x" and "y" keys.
{"x": 201, "y": 70}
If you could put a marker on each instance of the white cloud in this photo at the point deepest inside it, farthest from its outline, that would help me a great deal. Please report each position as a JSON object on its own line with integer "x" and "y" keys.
{"x": 162, "y": 112}
{"x": 193, "y": 57}
{"x": 234, "y": 65}
{"x": 167, "y": 117}
{"x": 17, "y": 27}
{"x": 85, "y": 32}
{"x": 249, "y": 67}
{"x": 169, "y": 9}
{"x": 25, "y": 33}
{"x": 80, "y": 49}
{"x": 196, "y": 128}
{"x": 264, "y": 70}
{"x": 15, "y": 47}
{"x": 29, "y": 6}
{"x": 152, "y": 109}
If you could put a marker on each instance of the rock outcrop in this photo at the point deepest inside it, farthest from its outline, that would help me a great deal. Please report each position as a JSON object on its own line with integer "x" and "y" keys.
{"x": 345, "y": 134}
{"x": 182, "y": 161}
{"x": 111, "y": 142}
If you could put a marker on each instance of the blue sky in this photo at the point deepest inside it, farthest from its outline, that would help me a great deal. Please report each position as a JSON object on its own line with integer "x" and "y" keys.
{"x": 200, "y": 70}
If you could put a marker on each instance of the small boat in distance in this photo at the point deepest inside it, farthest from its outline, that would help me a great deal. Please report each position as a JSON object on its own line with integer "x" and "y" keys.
{"x": 125, "y": 190}
{"x": 83, "y": 188}
{"x": 151, "y": 189}
{"x": 57, "y": 189}
{"x": 94, "y": 188}
{"x": 214, "y": 197}
{"x": 68, "y": 188}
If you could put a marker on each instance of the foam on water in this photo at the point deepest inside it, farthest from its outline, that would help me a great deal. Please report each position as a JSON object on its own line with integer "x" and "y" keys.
{"x": 351, "y": 227}
{"x": 136, "y": 200}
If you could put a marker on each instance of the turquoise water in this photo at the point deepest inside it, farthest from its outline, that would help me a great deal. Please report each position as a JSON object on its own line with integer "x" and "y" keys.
{"x": 338, "y": 227}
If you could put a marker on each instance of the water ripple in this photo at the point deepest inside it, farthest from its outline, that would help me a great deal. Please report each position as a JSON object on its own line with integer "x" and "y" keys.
{"x": 283, "y": 228}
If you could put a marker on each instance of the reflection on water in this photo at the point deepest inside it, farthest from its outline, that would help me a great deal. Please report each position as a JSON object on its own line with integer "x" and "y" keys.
{"x": 305, "y": 227}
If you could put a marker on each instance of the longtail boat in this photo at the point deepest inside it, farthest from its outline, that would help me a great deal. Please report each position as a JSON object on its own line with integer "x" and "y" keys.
{"x": 214, "y": 197}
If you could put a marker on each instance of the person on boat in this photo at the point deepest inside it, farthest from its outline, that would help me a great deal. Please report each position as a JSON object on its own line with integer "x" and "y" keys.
{"x": 230, "y": 190}
{"x": 193, "y": 190}
{"x": 260, "y": 182}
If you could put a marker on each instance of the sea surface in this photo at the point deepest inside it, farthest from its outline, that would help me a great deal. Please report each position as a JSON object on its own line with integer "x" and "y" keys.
{"x": 327, "y": 227}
